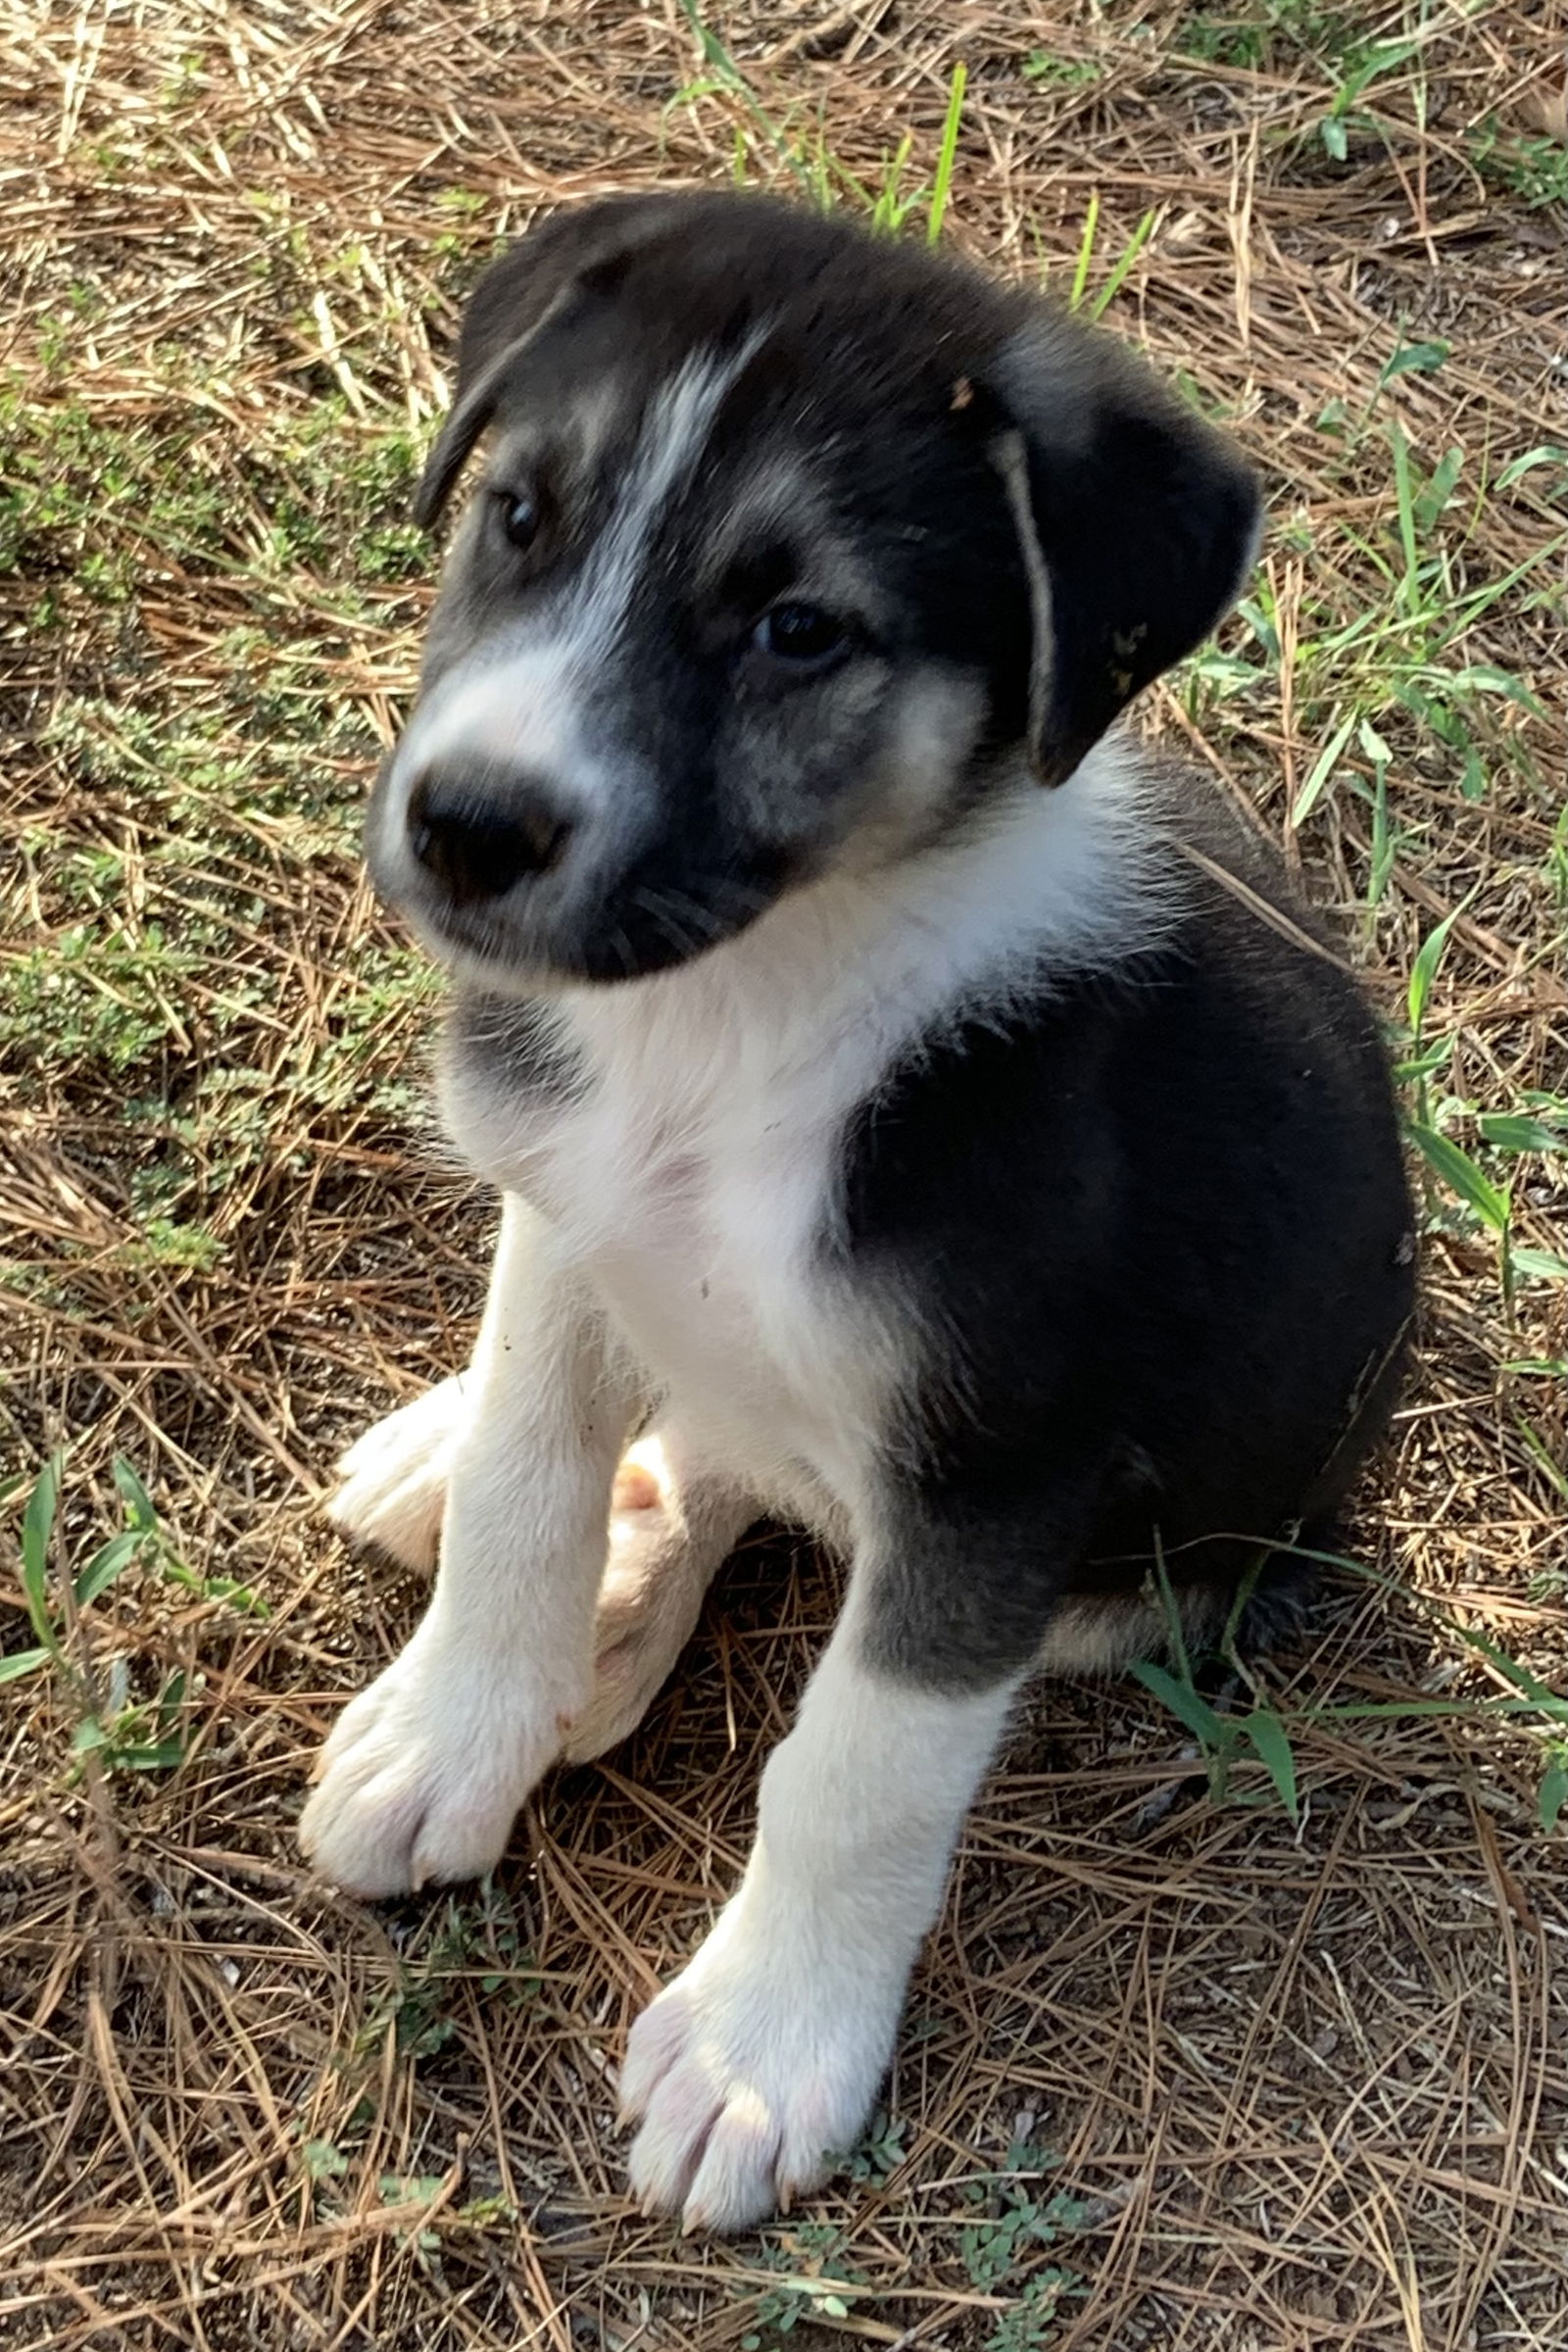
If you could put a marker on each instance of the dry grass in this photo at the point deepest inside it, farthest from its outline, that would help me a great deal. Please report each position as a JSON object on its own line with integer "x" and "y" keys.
{"x": 1306, "y": 2089}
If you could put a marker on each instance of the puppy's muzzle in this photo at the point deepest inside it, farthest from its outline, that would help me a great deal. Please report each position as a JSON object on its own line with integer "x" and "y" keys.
{"x": 478, "y": 837}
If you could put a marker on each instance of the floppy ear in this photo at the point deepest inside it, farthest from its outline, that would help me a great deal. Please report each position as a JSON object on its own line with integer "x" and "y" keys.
{"x": 1137, "y": 524}
{"x": 516, "y": 298}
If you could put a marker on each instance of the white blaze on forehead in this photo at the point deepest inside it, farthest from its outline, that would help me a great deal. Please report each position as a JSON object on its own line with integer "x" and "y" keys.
{"x": 524, "y": 698}
{"x": 668, "y": 449}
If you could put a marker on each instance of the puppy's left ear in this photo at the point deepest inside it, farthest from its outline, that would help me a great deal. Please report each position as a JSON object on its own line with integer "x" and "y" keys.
{"x": 1137, "y": 524}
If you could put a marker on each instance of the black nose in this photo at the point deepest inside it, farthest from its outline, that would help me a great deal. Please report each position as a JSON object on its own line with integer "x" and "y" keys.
{"x": 479, "y": 842}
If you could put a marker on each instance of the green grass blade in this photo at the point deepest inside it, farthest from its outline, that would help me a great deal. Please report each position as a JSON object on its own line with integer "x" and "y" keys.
{"x": 942, "y": 186}
{"x": 1405, "y": 500}
{"x": 1546, "y": 1460}
{"x": 38, "y": 1525}
{"x": 1267, "y": 1733}
{"x": 1459, "y": 1171}
{"x": 106, "y": 1562}
{"x": 1399, "y": 1711}
{"x": 138, "y": 1502}
{"x": 890, "y": 206}
{"x": 164, "y": 1756}
{"x": 1130, "y": 251}
{"x": 1424, "y": 970}
{"x": 1520, "y": 1678}
{"x": 1517, "y": 468}
{"x": 22, "y": 1662}
{"x": 722, "y": 67}
{"x": 243, "y": 1598}
{"x": 1541, "y": 1265}
{"x": 1441, "y": 488}
{"x": 1187, "y": 1705}
{"x": 1512, "y": 1131}
{"x": 1323, "y": 767}
{"x": 1086, "y": 253}
{"x": 1426, "y": 357}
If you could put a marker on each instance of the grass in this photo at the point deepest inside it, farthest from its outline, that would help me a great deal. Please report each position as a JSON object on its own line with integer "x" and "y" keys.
{"x": 1244, "y": 2025}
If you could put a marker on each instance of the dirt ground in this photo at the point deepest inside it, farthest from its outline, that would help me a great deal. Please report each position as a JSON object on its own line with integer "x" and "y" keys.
{"x": 1178, "y": 2071}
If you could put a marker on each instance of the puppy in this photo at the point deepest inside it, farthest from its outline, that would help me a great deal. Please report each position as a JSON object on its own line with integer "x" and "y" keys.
{"x": 917, "y": 1114}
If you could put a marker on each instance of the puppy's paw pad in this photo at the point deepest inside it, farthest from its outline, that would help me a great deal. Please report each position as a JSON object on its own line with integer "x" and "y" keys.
{"x": 636, "y": 1488}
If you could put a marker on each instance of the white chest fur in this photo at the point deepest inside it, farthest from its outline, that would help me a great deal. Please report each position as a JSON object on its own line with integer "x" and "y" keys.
{"x": 691, "y": 1178}
{"x": 693, "y": 1175}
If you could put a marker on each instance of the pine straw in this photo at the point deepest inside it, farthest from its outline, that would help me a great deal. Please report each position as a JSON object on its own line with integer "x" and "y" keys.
{"x": 1309, "y": 2086}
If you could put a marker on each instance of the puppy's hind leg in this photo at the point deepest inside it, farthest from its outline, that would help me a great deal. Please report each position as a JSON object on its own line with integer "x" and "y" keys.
{"x": 672, "y": 1526}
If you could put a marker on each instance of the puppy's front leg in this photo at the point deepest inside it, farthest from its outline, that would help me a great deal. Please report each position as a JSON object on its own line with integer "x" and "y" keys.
{"x": 765, "y": 2055}
{"x": 423, "y": 1773}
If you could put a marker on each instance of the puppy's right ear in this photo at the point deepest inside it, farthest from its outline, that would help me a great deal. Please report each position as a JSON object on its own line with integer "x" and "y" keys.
{"x": 516, "y": 297}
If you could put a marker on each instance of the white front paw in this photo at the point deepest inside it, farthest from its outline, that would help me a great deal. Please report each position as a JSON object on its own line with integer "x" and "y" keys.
{"x": 758, "y": 2065}
{"x": 394, "y": 1488}
{"x": 423, "y": 1773}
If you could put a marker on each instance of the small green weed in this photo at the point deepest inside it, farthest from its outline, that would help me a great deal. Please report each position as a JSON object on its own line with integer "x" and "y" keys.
{"x": 993, "y": 2240}
{"x": 1400, "y": 658}
{"x": 1224, "y": 1739}
{"x": 761, "y": 142}
{"x": 123, "y": 1735}
{"x": 472, "y": 1941}
{"x": 323, "y": 2160}
{"x": 1061, "y": 73}
{"x": 1396, "y": 678}
{"x": 1398, "y": 653}
{"x": 1529, "y": 1705}
{"x": 1532, "y": 1706}
{"x": 1270, "y": 32}
{"x": 1470, "y": 1189}
{"x": 1346, "y": 115}
{"x": 422, "y": 2201}
{"x": 1029, "y": 2323}
{"x": 879, "y": 2152}
{"x": 1532, "y": 169}
{"x": 109, "y": 508}
{"x": 813, "y": 2283}
{"x": 420, "y": 2191}
{"x": 1000, "y": 2246}
{"x": 1283, "y": 36}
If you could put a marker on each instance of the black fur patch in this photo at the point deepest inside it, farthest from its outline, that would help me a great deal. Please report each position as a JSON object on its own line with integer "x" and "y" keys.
{"x": 1158, "y": 1232}
{"x": 515, "y": 1043}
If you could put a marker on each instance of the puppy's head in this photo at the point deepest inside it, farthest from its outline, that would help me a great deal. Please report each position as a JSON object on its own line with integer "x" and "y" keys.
{"x": 791, "y": 548}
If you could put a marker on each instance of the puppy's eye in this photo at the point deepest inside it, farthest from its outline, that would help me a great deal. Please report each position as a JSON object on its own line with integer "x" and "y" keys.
{"x": 802, "y": 633}
{"x": 519, "y": 516}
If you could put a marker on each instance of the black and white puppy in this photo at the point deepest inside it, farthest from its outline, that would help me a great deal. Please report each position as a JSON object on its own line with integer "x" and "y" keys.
{"x": 915, "y": 1116}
